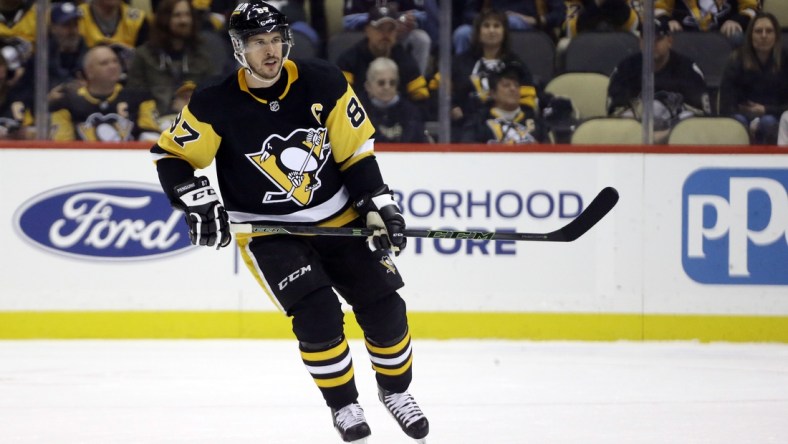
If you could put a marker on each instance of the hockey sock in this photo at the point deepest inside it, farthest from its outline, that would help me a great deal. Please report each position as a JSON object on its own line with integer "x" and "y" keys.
{"x": 331, "y": 367}
{"x": 392, "y": 362}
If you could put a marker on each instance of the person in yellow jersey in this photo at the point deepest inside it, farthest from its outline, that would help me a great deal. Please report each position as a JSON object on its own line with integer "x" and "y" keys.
{"x": 114, "y": 23}
{"x": 293, "y": 145}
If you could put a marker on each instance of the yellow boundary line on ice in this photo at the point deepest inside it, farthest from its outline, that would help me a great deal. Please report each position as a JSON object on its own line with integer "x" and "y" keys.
{"x": 424, "y": 325}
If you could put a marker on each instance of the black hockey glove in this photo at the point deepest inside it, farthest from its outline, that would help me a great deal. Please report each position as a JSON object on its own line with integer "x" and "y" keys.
{"x": 207, "y": 219}
{"x": 381, "y": 213}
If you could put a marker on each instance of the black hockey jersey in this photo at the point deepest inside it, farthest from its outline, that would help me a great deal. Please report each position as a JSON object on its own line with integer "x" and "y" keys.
{"x": 282, "y": 153}
{"x": 125, "y": 115}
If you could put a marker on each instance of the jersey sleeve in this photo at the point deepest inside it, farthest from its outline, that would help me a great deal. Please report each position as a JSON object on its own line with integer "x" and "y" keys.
{"x": 189, "y": 139}
{"x": 349, "y": 127}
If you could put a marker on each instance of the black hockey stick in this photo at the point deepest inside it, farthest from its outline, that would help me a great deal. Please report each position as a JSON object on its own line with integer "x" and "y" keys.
{"x": 596, "y": 210}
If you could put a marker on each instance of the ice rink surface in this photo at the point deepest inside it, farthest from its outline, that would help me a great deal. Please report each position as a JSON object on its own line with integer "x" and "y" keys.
{"x": 474, "y": 392}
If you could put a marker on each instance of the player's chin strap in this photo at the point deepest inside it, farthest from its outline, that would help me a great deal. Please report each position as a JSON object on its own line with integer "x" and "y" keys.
{"x": 266, "y": 83}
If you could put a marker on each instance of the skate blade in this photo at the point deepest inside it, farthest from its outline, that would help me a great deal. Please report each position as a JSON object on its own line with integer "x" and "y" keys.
{"x": 421, "y": 441}
{"x": 359, "y": 441}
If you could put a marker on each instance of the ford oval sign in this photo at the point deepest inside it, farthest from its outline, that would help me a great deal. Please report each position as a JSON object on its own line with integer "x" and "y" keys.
{"x": 118, "y": 221}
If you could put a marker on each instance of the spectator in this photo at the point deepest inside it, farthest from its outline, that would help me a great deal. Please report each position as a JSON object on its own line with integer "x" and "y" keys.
{"x": 782, "y": 136}
{"x": 489, "y": 54}
{"x": 15, "y": 116}
{"x": 416, "y": 30}
{"x": 505, "y": 121}
{"x": 600, "y": 16}
{"x": 18, "y": 20}
{"x": 730, "y": 17}
{"x": 754, "y": 86}
{"x": 115, "y": 23}
{"x": 103, "y": 110}
{"x": 395, "y": 120}
{"x": 521, "y": 15}
{"x": 66, "y": 46}
{"x": 174, "y": 54}
{"x": 381, "y": 41}
{"x": 680, "y": 89}
{"x": 180, "y": 99}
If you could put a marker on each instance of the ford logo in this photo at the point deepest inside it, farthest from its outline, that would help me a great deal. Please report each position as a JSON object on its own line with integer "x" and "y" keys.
{"x": 119, "y": 221}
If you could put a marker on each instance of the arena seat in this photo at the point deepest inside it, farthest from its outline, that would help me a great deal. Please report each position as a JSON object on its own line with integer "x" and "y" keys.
{"x": 599, "y": 51}
{"x": 709, "y": 131}
{"x": 537, "y": 50}
{"x": 608, "y": 131}
{"x": 586, "y": 90}
{"x": 341, "y": 42}
{"x": 710, "y": 50}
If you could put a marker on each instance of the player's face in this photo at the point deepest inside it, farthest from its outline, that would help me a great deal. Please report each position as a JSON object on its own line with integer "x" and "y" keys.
{"x": 264, "y": 54}
{"x": 491, "y": 33}
{"x": 383, "y": 86}
{"x": 763, "y": 35}
{"x": 181, "y": 19}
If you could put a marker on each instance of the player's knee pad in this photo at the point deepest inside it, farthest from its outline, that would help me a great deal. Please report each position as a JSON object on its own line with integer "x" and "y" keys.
{"x": 383, "y": 320}
{"x": 318, "y": 317}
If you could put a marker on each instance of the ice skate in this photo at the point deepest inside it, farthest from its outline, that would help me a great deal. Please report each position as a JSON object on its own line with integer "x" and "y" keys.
{"x": 406, "y": 411}
{"x": 351, "y": 423}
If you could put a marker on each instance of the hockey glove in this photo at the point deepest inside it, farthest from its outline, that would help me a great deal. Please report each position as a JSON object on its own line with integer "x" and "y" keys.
{"x": 207, "y": 219}
{"x": 381, "y": 213}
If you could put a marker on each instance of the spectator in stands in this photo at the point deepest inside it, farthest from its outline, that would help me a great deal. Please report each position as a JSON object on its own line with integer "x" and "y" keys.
{"x": 15, "y": 116}
{"x": 730, "y": 17}
{"x": 505, "y": 120}
{"x": 782, "y": 135}
{"x": 180, "y": 99}
{"x": 174, "y": 54}
{"x": 754, "y": 86}
{"x": 600, "y": 15}
{"x": 103, "y": 110}
{"x": 18, "y": 19}
{"x": 521, "y": 15}
{"x": 395, "y": 120}
{"x": 114, "y": 23}
{"x": 471, "y": 71}
{"x": 679, "y": 87}
{"x": 381, "y": 41}
{"x": 66, "y": 46}
{"x": 416, "y": 30}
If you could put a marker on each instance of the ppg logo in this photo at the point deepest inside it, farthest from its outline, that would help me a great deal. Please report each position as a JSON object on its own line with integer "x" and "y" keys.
{"x": 735, "y": 226}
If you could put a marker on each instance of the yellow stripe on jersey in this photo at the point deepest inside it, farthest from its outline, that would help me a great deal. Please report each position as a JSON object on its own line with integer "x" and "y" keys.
{"x": 191, "y": 140}
{"x": 349, "y": 129}
{"x": 61, "y": 126}
{"x": 147, "y": 116}
{"x": 349, "y": 76}
{"x": 417, "y": 89}
{"x": 528, "y": 96}
{"x": 25, "y": 27}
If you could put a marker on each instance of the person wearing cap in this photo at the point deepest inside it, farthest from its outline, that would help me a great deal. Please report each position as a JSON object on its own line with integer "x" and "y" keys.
{"x": 505, "y": 121}
{"x": 175, "y": 54}
{"x": 680, "y": 89}
{"x": 381, "y": 41}
{"x": 66, "y": 46}
{"x": 417, "y": 28}
{"x": 730, "y": 17}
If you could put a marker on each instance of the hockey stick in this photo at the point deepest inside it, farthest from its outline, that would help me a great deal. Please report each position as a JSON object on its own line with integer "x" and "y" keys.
{"x": 596, "y": 210}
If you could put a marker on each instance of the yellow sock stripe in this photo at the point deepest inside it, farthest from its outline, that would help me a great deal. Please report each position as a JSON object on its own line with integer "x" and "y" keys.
{"x": 392, "y": 350}
{"x": 394, "y": 371}
{"x": 326, "y": 354}
{"x": 335, "y": 382}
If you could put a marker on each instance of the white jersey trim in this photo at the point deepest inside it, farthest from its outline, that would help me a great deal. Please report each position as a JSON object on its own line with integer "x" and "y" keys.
{"x": 327, "y": 209}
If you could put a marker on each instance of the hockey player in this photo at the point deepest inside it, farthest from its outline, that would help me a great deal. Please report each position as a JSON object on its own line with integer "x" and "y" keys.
{"x": 293, "y": 145}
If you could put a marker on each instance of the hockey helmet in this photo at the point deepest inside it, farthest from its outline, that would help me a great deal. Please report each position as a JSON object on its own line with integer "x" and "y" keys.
{"x": 255, "y": 17}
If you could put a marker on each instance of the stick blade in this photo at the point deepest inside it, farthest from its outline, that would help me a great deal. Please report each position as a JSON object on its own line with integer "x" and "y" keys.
{"x": 596, "y": 210}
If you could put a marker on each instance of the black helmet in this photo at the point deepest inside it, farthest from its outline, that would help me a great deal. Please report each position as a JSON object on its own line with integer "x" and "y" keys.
{"x": 255, "y": 17}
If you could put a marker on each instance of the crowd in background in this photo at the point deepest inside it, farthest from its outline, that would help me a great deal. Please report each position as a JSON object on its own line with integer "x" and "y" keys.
{"x": 122, "y": 71}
